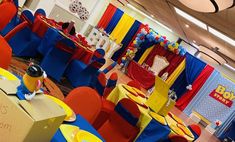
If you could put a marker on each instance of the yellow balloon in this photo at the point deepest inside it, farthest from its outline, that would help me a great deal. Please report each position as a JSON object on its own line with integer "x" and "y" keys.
{"x": 162, "y": 43}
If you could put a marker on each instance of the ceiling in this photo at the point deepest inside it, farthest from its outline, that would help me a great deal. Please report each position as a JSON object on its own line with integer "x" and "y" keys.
{"x": 224, "y": 21}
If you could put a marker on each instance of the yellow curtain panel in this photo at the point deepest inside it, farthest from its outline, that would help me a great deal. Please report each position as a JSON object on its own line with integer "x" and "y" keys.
{"x": 145, "y": 55}
{"x": 176, "y": 73}
{"x": 122, "y": 28}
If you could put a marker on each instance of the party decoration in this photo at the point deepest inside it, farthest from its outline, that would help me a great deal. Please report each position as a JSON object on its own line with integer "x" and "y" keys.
{"x": 149, "y": 34}
{"x": 76, "y": 7}
{"x": 31, "y": 82}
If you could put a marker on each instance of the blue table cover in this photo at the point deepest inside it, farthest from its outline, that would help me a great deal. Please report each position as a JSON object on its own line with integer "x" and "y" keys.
{"x": 82, "y": 124}
{"x": 154, "y": 132}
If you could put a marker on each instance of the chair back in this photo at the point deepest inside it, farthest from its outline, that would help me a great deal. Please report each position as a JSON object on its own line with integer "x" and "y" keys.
{"x": 128, "y": 110}
{"x": 100, "y": 83}
{"x": 117, "y": 129}
{"x": 5, "y": 53}
{"x": 110, "y": 67}
{"x": 111, "y": 84}
{"x": 195, "y": 129}
{"x": 8, "y": 11}
{"x": 27, "y": 15}
{"x": 98, "y": 53}
{"x": 177, "y": 138}
{"x": 39, "y": 12}
{"x": 135, "y": 84}
{"x": 84, "y": 101}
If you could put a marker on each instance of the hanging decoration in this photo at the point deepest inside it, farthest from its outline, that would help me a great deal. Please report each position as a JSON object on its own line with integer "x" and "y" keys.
{"x": 148, "y": 34}
{"x": 76, "y": 7}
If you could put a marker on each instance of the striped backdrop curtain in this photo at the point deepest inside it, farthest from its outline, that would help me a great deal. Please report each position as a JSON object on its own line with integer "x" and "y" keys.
{"x": 107, "y": 16}
{"x": 114, "y": 21}
{"x": 126, "y": 41}
{"x": 122, "y": 28}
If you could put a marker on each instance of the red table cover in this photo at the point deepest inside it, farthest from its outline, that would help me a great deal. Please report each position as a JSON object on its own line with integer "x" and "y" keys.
{"x": 140, "y": 74}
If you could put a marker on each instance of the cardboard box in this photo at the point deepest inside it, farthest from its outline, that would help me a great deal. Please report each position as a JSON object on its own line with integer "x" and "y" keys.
{"x": 27, "y": 121}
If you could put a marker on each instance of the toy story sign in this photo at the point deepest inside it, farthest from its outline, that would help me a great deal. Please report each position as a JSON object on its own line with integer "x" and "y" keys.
{"x": 223, "y": 96}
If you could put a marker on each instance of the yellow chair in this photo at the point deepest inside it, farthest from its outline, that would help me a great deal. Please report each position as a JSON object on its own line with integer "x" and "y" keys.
{"x": 159, "y": 98}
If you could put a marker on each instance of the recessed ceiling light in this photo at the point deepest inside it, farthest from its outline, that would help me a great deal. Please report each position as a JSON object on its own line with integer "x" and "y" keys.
{"x": 186, "y": 25}
{"x": 230, "y": 67}
{"x": 194, "y": 41}
{"x": 152, "y": 16}
{"x": 221, "y": 36}
{"x": 191, "y": 18}
{"x": 137, "y": 10}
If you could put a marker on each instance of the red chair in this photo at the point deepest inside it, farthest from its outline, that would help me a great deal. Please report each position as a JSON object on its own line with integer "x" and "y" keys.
{"x": 135, "y": 84}
{"x": 5, "y": 53}
{"x": 116, "y": 128}
{"x": 8, "y": 11}
{"x": 111, "y": 84}
{"x": 84, "y": 101}
{"x": 196, "y": 129}
{"x": 177, "y": 138}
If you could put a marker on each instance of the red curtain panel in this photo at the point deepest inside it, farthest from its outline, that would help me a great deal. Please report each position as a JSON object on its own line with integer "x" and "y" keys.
{"x": 107, "y": 16}
{"x": 171, "y": 57}
{"x": 197, "y": 85}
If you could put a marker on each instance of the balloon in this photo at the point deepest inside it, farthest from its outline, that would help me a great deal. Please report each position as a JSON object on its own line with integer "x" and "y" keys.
{"x": 162, "y": 44}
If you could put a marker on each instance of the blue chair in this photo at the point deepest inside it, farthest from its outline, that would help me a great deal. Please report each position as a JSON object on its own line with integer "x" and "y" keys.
{"x": 99, "y": 82}
{"x": 40, "y": 12}
{"x": 49, "y": 41}
{"x": 229, "y": 135}
{"x": 85, "y": 77}
{"x": 98, "y": 54}
{"x": 26, "y": 15}
{"x": 57, "y": 59}
{"x": 25, "y": 43}
{"x": 109, "y": 68}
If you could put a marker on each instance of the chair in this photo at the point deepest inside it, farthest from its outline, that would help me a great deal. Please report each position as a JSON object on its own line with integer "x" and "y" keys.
{"x": 135, "y": 84}
{"x": 99, "y": 83}
{"x": 117, "y": 129}
{"x": 111, "y": 84}
{"x": 40, "y": 12}
{"x": 98, "y": 53}
{"x": 11, "y": 10}
{"x": 159, "y": 64}
{"x": 177, "y": 138}
{"x": 196, "y": 130}
{"x": 159, "y": 98}
{"x": 84, "y": 101}
{"x": 5, "y": 53}
{"x": 109, "y": 68}
{"x": 57, "y": 59}
{"x": 84, "y": 77}
{"x": 8, "y": 11}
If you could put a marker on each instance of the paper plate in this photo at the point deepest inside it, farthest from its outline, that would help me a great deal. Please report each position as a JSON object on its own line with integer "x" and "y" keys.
{"x": 158, "y": 118}
{"x": 69, "y": 132}
{"x": 84, "y": 136}
{"x": 130, "y": 90}
{"x": 4, "y": 74}
{"x": 140, "y": 93}
{"x": 134, "y": 98}
{"x": 176, "y": 130}
{"x": 177, "y": 119}
{"x": 185, "y": 130}
{"x": 70, "y": 115}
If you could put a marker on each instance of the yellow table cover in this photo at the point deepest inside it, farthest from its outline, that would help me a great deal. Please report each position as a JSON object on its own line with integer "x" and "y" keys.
{"x": 7, "y": 75}
{"x": 119, "y": 93}
{"x": 158, "y": 118}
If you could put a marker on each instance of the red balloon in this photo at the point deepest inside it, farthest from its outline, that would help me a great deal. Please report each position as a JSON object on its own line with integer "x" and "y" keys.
{"x": 164, "y": 37}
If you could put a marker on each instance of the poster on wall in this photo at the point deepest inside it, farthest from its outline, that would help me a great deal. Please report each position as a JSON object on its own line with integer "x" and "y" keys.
{"x": 218, "y": 100}
{"x": 215, "y": 100}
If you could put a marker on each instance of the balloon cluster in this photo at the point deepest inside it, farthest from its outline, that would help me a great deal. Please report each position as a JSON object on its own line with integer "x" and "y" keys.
{"x": 130, "y": 53}
{"x": 148, "y": 34}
